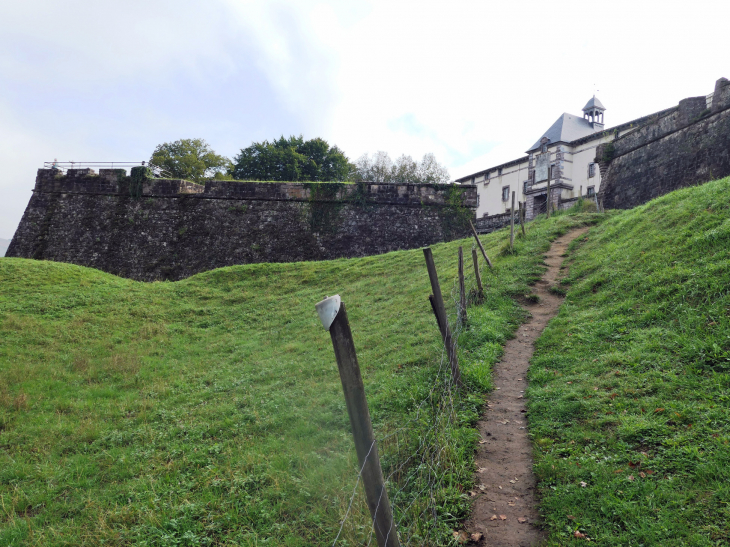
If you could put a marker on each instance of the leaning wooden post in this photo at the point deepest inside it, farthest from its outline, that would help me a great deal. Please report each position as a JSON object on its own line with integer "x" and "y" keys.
{"x": 437, "y": 303}
{"x": 476, "y": 236}
{"x": 333, "y": 315}
{"x": 512, "y": 223}
{"x": 462, "y": 288}
{"x": 475, "y": 260}
{"x": 522, "y": 219}
{"x": 548, "y": 190}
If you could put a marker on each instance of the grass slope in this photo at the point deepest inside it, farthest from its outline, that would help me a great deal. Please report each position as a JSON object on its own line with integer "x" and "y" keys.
{"x": 209, "y": 411}
{"x": 630, "y": 385}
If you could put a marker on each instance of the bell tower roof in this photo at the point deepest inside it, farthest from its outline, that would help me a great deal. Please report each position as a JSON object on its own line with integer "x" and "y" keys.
{"x": 593, "y": 113}
{"x": 594, "y": 104}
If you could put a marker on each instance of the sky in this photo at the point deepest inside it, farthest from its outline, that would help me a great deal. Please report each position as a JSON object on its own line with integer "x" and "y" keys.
{"x": 475, "y": 83}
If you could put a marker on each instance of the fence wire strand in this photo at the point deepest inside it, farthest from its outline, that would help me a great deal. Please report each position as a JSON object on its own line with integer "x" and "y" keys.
{"x": 418, "y": 477}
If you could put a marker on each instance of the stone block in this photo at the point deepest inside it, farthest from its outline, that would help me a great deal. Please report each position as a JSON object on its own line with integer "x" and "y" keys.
{"x": 690, "y": 110}
{"x": 721, "y": 95}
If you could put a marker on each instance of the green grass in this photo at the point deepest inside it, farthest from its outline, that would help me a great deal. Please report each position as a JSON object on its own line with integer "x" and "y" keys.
{"x": 629, "y": 397}
{"x": 209, "y": 411}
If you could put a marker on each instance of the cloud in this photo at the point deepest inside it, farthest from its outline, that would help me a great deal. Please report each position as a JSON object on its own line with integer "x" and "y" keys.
{"x": 109, "y": 81}
{"x": 473, "y": 82}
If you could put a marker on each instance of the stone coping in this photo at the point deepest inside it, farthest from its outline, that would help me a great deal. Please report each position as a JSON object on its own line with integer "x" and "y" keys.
{"x": 114, "y": 182}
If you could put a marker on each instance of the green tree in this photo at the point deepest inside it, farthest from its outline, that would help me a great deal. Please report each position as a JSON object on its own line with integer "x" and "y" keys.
{"x": 190, "y": 159}
{"x": 292, "y": 159}
{"x": 380, "y": 168}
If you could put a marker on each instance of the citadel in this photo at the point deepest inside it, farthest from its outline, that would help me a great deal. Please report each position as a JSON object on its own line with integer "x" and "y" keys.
{"x": 570, "y": 153}
{"x": 147, "y": 228}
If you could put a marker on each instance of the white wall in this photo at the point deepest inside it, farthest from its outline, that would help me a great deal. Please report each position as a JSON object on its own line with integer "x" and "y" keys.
{"x": 575, "y": 172}
{"x": 490, "y": 191}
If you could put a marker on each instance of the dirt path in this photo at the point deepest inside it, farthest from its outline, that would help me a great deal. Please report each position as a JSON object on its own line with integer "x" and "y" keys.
{"x": 505, "y": 510}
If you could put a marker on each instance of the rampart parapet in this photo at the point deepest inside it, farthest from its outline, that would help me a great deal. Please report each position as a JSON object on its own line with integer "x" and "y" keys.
{"x": 683, "y": 146}
{"x": 115, "y": 182}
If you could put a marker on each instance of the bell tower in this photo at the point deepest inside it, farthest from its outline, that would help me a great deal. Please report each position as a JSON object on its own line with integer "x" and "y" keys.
{"x": 593, "y": 112}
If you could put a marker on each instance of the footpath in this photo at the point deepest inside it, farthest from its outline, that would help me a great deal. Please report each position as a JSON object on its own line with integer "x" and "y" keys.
{"x": 505, "y": 509}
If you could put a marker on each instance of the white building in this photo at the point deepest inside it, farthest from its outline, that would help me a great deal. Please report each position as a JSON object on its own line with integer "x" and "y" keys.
{"x": 567, "y": 149}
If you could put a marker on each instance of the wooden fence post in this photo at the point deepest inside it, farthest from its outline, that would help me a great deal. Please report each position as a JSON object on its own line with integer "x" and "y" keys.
{"x": 522, "y": 218}
{"x": 333, "y": 315}
{"x": 437, "y": 303}
{"x": 476, "y": 236}
{"x": 512, "y": 224}
{"x": 475, "y": 260}
{"x": 548, "y": 190}
{"x": 462, "y": 288}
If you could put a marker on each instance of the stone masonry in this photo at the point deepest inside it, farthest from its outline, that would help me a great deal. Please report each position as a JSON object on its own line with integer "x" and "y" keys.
{"x": 683, "y": 146}
{"x": 173, "y": 229}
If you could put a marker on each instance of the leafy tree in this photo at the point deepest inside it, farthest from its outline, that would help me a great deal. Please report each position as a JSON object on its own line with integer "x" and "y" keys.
{"x": 292, "y": 159}
{"x": 190, "y": 159}
{"x": 380, "y": 168}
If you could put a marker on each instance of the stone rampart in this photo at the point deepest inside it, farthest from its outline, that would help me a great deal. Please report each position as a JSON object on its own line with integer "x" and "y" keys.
{"x": 171, "y": 229}
{"x": 492, "y": 223}
{"x": 684, "y": 146}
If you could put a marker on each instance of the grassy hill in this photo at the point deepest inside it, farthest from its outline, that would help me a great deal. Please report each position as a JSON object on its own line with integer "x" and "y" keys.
{"x": 630, "y": 385}
{"x": 209, "y": 411}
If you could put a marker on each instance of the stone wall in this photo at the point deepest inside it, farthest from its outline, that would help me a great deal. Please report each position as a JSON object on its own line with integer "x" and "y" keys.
{"x": 684, "y": 146}
{"x": 492, "y": 223}
{"x": 176, "y": 228}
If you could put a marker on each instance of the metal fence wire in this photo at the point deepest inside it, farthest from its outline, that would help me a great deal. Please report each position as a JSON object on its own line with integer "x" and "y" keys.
{"x": 414, "y": 467}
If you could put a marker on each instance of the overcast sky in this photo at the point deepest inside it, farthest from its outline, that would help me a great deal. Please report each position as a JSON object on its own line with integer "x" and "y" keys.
{"x": 476, "y": 83}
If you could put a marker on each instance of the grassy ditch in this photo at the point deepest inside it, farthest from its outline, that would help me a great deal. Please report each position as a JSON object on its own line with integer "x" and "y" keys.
{"x": 209, "y": 411}
{"x": 629, "y": 393}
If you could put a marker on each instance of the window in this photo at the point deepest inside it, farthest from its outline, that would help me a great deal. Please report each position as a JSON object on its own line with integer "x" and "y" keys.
{"x": 505, "y": 193}
{"x": 591, "y": 170}
{"x": 524, "y": 186}
{"x": 499, "y": 171}
{"x": 591, "y": 190}
{"x": 544, "y": 148}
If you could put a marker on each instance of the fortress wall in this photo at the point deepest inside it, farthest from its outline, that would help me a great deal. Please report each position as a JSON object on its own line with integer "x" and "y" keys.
{"x": 176, "y": 228}
{"x": 688, "y": 146}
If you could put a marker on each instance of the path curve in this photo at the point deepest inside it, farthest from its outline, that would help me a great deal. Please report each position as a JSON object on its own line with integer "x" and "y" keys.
{"x": 505, "y": 508}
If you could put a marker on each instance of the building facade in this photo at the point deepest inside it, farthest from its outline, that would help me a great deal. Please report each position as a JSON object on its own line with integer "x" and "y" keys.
{"x": 565, "y": 153}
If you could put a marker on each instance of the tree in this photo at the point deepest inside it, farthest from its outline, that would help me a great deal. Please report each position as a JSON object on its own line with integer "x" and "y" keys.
{"x": 190, "y": 159}
{"x": 404, "y": 170}
{"x": 430, "y": 171}
{"x": 292, "y": 159}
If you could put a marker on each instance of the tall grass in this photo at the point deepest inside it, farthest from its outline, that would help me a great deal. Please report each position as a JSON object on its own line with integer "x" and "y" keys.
{"x": 630, "y": 384}
{"x": 209, "y": 411}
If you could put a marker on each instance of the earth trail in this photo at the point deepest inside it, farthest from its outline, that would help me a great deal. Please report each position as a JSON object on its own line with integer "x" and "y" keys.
{"x": 505, "y": 508}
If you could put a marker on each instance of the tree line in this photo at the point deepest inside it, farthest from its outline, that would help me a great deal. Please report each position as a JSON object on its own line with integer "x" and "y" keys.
{"x": 293, "y": 159}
